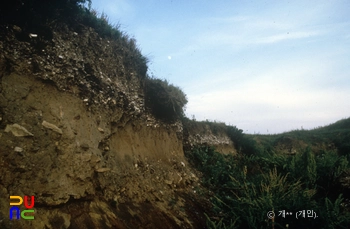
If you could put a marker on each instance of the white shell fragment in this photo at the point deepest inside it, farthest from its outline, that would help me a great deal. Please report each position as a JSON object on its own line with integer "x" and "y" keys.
{"x": 32, "y": 35}
{"x": 102, "y": 170}
{"x": 51, "y": 127}
{"x": 17, "y": 130}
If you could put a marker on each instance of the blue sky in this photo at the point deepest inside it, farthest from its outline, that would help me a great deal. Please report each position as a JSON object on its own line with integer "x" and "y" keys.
{"x": 263, "y": 66}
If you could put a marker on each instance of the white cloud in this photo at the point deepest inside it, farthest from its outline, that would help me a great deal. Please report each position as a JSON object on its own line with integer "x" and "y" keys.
{"x": 286, "y": 36}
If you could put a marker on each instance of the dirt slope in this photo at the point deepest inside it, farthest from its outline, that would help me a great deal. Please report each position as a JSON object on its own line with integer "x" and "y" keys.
{"x": 75, "y": 134}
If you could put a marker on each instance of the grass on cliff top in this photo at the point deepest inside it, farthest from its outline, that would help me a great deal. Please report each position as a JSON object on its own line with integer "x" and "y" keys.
{"x": 165, "y": 101}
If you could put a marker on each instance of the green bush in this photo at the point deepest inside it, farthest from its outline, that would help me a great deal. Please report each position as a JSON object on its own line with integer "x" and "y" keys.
{"x": 242, "y": 142}
{"x": 329, "y": 168}
{"x": 246, "y": 187}
{"x": 333, "y": 214}
{"x": 271, "y": 192}
{"x": 303, "y": 166}
{"x": 164, "y": 100}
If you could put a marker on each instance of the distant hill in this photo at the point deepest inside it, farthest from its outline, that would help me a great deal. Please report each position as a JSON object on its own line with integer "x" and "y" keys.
{"x": 333, "y": 136}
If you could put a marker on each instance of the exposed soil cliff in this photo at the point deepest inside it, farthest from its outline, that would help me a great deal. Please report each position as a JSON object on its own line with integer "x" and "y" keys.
{"x": 99, "y": 144}
{"x": 208, "y": 134}
{"x": 74, "y": 133}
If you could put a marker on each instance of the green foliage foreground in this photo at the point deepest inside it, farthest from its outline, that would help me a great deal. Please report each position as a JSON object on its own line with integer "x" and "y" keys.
{"x": 246, "y": 188}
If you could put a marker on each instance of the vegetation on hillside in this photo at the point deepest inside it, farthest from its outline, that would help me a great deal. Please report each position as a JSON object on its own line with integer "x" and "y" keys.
{"x": 336, "y": 134}
{"x": 166, "y": 101}
{"x": 245, "y": 187}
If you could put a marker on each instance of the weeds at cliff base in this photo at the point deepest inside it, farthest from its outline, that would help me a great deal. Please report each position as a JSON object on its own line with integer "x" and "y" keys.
{"x": 246, "y": 187}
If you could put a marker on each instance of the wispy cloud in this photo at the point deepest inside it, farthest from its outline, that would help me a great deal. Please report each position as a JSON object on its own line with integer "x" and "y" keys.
{"x": 286, "y": 36}
{"x": 243, "y": 32}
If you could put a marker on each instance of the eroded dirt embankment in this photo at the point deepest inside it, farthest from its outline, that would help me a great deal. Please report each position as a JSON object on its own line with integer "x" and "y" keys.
{"x": 75, "y": 134}
{"x": 207, "y": 133}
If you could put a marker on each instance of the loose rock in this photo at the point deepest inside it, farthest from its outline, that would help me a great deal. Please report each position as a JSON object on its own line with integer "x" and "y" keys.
{"x": 18, "y": 149}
